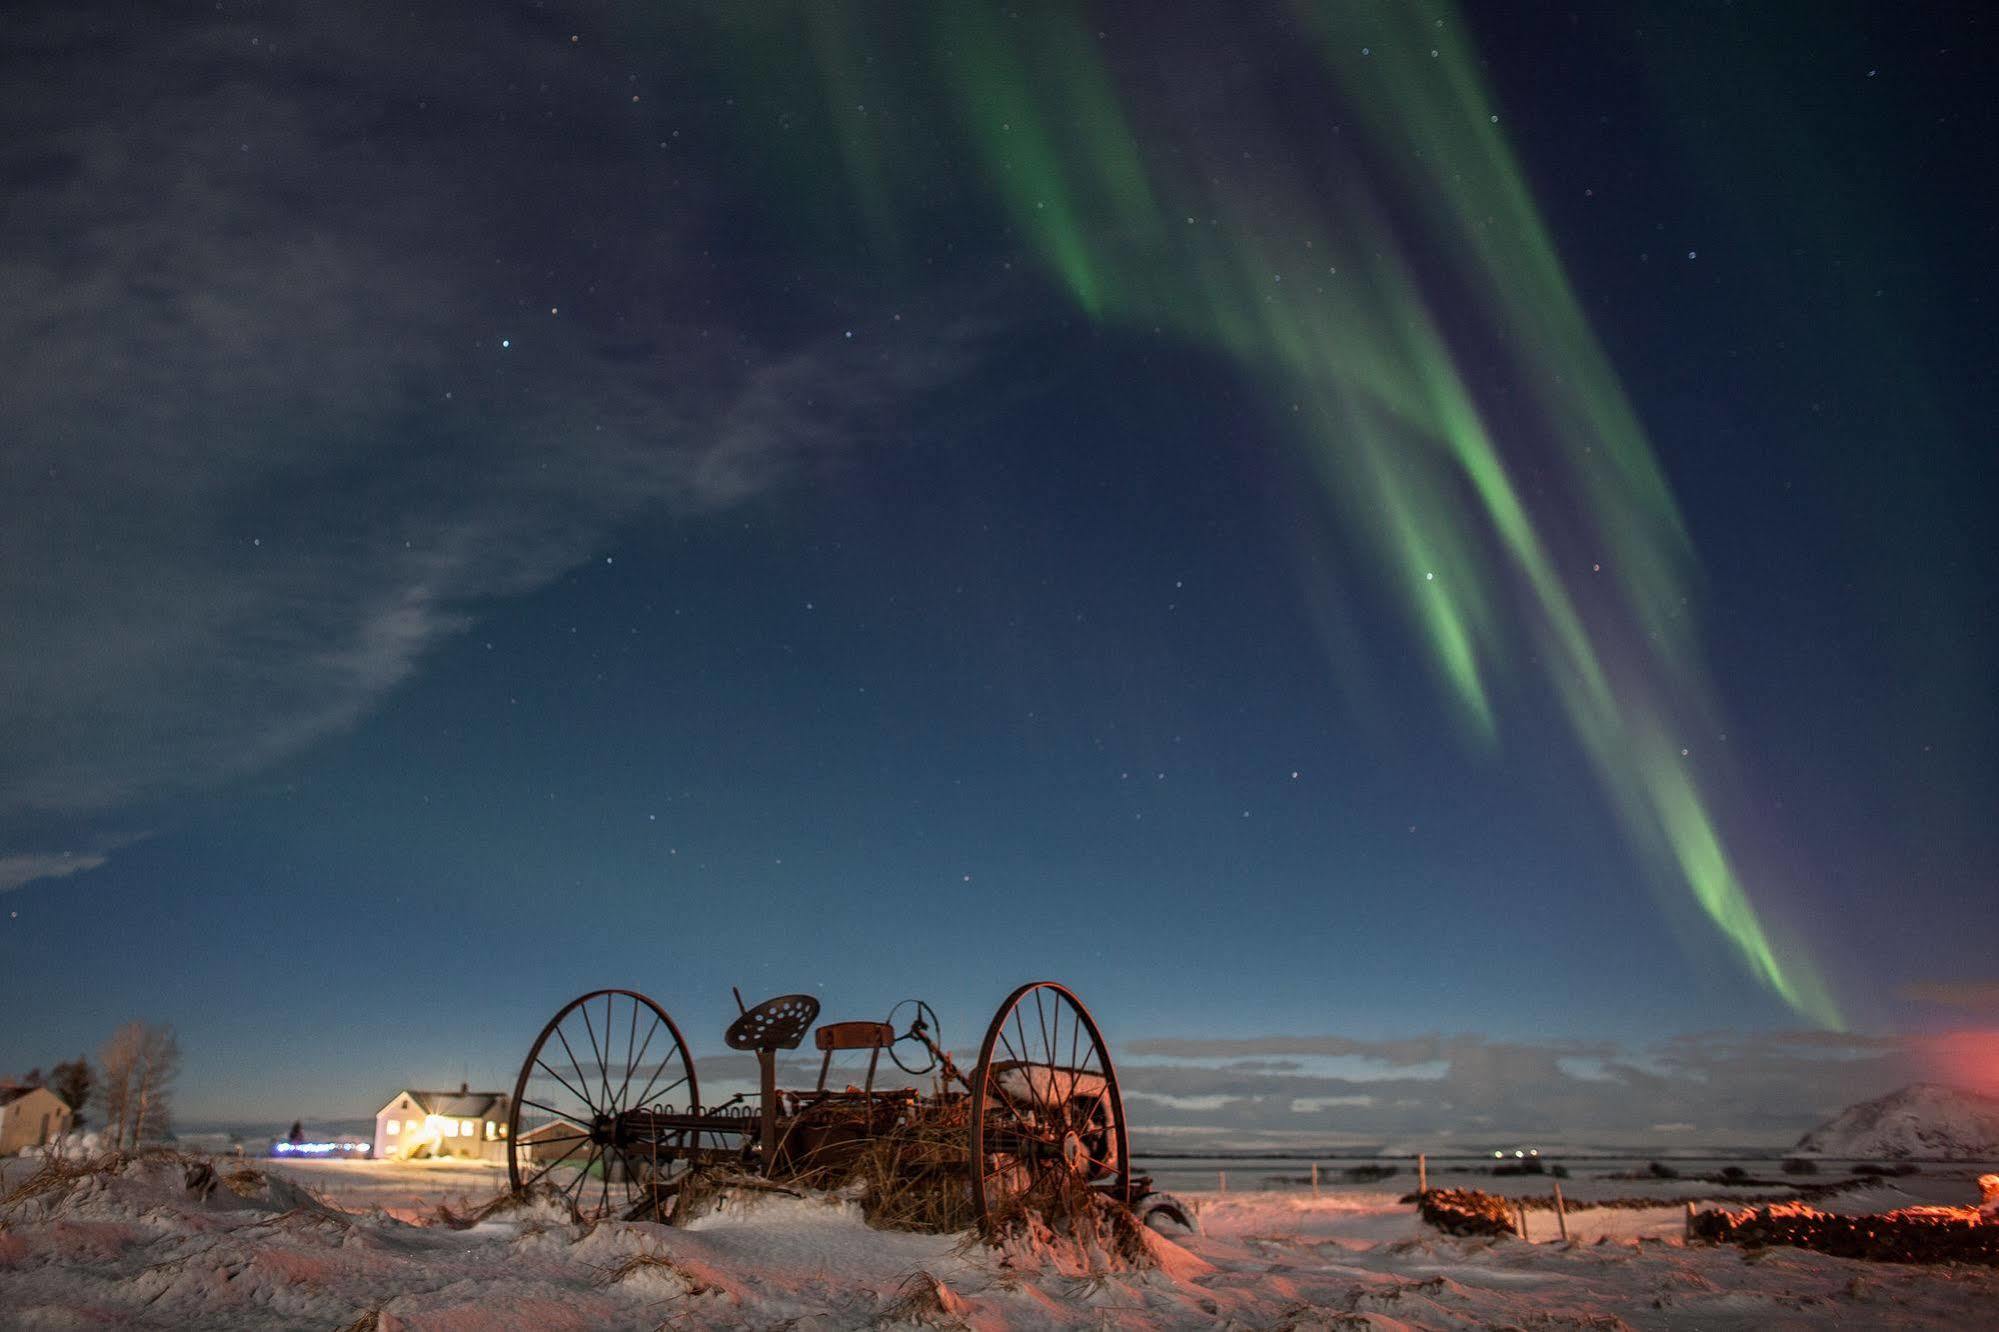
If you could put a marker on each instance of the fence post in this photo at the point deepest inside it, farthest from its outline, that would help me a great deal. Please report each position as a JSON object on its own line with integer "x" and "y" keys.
{"x": 1315, "y": 1179}
{"x": 1520, "y": 1218}
{"x": 1223, "y": 1176}
{"x": 1422, "y": 1173}
{"x": 1561, "y": 1213}
{"x": 1687, "y": 1235}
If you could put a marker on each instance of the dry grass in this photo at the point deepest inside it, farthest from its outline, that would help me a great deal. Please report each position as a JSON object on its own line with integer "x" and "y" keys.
{"x": 316, "y": 1216}
{"x": 503, "y": 1204}
{"x": 1089, "y": 1231}
{"x": 910, "y": 1176}
{"x": 923, "y": 1299}
{"x": 244, "y": 1182}
{"x": 369, "y": 1321}
{"x": 58, "y": 1176}
{"x": 639, "y": 1263}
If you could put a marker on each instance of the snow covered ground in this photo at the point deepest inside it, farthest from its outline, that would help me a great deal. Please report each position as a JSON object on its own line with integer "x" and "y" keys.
{"x": 327, "y": 1245}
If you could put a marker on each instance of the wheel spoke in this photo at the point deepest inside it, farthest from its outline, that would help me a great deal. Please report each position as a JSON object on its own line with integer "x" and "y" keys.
{"x": 578, "y": 1066}
{"x": 1022, "y": 1029}
{"x": 638, "y": 1061}
{"x": 565, "y": 1083}
{"x": 1075, "y": 1071}
{"x": 591, "y": 1031}
{"x": 995, "y": 1083}
{"x": 1041, "y": 1023}
{"x": 631, "y": 1039}
{"x": 553, "y": 1164}
{"x": 563, "y": 1115}
{"x": 573, "y": 1186}
{"x": 643, "y": 1097}
{"x": 607, "y": 1054}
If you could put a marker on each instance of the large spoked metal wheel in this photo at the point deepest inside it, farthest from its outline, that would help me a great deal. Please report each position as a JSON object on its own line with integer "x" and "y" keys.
{"x": 1047, "y": 1119}
{"x": 605, "y": 1054}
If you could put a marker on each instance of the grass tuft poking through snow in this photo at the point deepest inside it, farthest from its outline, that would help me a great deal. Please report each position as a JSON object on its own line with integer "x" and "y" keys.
{"x": 925, "y": 1300}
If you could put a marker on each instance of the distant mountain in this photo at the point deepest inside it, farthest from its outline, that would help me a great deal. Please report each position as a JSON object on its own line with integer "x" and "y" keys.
{"x": 1924, "y": 1120}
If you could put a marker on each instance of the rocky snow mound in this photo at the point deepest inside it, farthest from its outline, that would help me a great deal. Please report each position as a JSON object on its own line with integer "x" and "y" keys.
{"x": 1924, "y": 1121}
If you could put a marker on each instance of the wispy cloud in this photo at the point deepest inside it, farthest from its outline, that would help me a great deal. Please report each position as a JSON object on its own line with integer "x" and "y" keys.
{"x": 301, "y": 391}
{"x": 16, "y": 870}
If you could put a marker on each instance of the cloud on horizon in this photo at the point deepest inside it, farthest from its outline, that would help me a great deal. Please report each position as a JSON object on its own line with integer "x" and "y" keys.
{"x": 1709, "y": 1089}
{"x": 295, "y": 408}
{"x": 1983, "y": 995}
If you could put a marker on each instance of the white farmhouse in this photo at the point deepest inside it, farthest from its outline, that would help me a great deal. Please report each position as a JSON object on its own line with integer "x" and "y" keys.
{"x": 465, "y": 1124}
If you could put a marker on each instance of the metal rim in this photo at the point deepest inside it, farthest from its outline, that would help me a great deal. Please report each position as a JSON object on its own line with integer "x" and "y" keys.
{"x": 603, "y": 1054}
{"x": 1028, "y": 1134}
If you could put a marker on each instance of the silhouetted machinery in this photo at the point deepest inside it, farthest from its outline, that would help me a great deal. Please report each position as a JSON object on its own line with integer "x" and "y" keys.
{"x": 607, "y": 1111}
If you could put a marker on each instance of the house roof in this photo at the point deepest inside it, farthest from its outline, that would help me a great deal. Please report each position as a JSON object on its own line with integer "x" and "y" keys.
{"x": 10, "y": 1093}
{"x": 553, "y": 1128}
{"x": 460, "y": 1104}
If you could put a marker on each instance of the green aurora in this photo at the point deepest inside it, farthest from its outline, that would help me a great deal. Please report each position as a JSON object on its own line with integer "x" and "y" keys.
{"x": 1331, "y": 278}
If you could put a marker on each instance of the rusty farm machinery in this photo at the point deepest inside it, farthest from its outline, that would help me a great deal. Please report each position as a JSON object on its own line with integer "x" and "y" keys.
{"x": 607, "y": 1112}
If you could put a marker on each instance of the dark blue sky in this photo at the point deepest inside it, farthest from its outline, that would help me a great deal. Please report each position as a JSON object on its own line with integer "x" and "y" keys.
{"x": 473, "y": 537}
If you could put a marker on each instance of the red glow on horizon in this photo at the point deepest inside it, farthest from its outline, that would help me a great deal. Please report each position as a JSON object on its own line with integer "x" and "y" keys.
{"x": 1967, "y": 1059}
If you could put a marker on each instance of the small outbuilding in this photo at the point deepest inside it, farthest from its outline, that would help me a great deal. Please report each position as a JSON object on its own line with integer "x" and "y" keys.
{"x": 463, "y": 1124}
{"x": 31, "y": 1117}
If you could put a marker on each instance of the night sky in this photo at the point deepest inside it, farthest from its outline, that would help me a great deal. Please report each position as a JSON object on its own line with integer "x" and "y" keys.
{"x": 1435, "y": 566}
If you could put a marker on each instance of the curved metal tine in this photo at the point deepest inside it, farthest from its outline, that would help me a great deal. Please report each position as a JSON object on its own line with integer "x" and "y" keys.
{"x": 577, "y": 1065}
{"x": 639, "y": 1198}
{"x": 637, "y": 1060}
{"x": 564, "y": 1081}
{"x": 634, "y": 1180}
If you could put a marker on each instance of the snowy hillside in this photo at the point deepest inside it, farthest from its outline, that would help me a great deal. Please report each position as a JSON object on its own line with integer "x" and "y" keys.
{"x": 1924, "y": 1121}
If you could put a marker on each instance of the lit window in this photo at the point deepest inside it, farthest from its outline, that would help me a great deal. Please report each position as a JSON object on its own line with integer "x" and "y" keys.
{"x": 470, "y": 1128}
{"x": 503, "y": 1130}
{"x": 395, "y": 1126}
{"x": 412, "y": 1126}
{"x": 492, "y": 1130}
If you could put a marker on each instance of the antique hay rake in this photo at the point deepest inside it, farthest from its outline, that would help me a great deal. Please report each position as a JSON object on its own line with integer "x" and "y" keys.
{"x": 607, "y": 1111}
